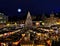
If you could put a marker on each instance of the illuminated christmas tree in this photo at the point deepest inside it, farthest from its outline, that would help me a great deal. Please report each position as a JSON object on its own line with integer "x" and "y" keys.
{"x": 28, "y": 22}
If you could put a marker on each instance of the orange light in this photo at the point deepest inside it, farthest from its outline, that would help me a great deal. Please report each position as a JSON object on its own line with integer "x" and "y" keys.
{"x": 37, "y": 23}
{"x": 57, "y": 22}
{"x": 23, "y": 35}
{"x": 15, "y": 43}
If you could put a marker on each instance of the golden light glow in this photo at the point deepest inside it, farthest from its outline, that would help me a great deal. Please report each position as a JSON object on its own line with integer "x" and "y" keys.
{"x": 15, "y": 23}
{"x": 23, "y": 35}
{"x": 51, "y": 30}
{"x": 39, "y": 34}
{"x": 8, "y": 24}
{"x": 57, "y": 22}
{"x": 40, "y": 45}
{"x": 43, "y": 23}
{"x": 49, "y": 42}
{"x": 16, "y": 42}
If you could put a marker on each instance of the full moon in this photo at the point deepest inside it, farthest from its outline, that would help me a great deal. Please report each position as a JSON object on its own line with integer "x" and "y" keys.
{"x": 19, "y": 10}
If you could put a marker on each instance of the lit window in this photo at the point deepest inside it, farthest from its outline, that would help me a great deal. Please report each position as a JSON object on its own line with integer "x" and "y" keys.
{"x": 1, "y": 22}
{"x": 1, "y": 17}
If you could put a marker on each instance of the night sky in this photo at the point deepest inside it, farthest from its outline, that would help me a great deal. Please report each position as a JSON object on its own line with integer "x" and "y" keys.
{"x": 10, "y": 7}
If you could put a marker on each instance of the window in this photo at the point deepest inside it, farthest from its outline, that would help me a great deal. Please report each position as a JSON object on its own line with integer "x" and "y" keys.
{"x": 1, "y": 22}
{"x": 1, "y": 17}
{"x": 4, "y": 21}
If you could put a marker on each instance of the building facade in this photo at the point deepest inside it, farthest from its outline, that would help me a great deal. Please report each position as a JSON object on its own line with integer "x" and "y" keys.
{"x": 3, "y": 18}
{"x": 52, "y": 20}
